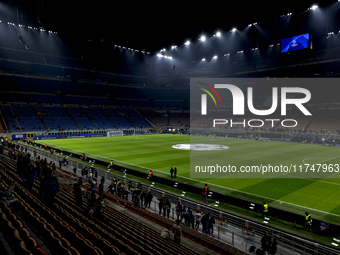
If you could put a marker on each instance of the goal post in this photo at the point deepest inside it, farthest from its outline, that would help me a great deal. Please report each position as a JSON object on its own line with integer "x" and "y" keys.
{"x": 115, "y": 133}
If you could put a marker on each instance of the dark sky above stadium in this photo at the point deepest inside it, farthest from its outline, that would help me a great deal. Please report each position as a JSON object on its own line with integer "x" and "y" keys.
{"x": 151, "y": 25}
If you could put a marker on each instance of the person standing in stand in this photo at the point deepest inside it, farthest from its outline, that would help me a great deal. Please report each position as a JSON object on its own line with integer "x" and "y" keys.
{"x": 78, "y": 194}
{"x": 177, "y": 231}
{"x": 211, "y": 225}
{"x": 273, "y": 248}
{"x": 51, "y": 187}
{"x": 198, "y": 217}
{"x": 168, "y": 207}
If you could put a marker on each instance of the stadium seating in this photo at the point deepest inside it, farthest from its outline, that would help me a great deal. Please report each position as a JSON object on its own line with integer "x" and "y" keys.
{"x": 64, "y": 229}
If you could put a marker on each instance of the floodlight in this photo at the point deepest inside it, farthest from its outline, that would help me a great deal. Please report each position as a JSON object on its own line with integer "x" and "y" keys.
{"x": 218, "y": 34}
{"x": 313, "y": 7}
{"x": 187, "y": 42}
{"x": 233, "y": 29}
{"x": 215, "y": 57}
{"x": 203, "y": 38}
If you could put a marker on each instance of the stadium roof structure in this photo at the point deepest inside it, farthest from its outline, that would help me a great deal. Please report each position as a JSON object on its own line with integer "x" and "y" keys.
{"x": 181, "y": 40}
{"x": 151, "y": 26}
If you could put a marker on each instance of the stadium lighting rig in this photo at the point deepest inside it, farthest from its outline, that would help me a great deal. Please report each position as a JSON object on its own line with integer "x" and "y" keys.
{"x": 131, "y": 49}
{"x": 313, "y": 7}
{"x": 204, "y": 38}
{"x": 218, "y": 34}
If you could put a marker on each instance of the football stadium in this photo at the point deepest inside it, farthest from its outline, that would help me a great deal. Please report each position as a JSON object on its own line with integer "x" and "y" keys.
{"x": 213, "y": 134}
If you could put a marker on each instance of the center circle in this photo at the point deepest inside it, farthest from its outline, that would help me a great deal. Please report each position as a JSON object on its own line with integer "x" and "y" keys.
{"x": 200, "y": 147}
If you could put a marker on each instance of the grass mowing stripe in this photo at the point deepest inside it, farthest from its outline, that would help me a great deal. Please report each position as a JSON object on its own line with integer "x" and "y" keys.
{"x": 156, "y": 152}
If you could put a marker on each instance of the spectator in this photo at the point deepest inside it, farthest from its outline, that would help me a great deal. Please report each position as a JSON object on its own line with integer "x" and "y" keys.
{"x": 266, "y": 243}
{"x": 84, "y": 172}
{"x": 143, "y": 198}
{"x": 148, "y": 199}
{"x": 95, "y": 172}
{"x": 136, "y": 198}
{"x": 90, "y": 210}
{"x": 112, "y": 188}
{"x": 98, "y": 207}
{"x": 101, "y": 188}
{"x": 177, "y": 231}
{"x": 91, "y": 194}
{"x": 191, "y": 219}
{"x": 78, "y": 194}
{"x": 102, "y": 180}
{"x": 65, "y": 162}
{"x": 119, "y": 187}
{"x": 168, "y": 207}
{"x": 175, "y": 172}
{"x": 29, "y": 176}
{"x": 51, "y": 187}
{"x": 198, "y": 217}
{"x": 273, "y": 249}
{"x": 129, "y": 184}
{"x": 211, "y": 225}
{"x": 185, "y": 217}
{"x": 178, "y": 209}
{"x": 166, "y": 233}
{"x": 6, "y": 196}
{"x": 160, "y": 204}
{"x": 139, "y": 188}
{"x": 204, "y": 221}
{"x": 125, "y": 194}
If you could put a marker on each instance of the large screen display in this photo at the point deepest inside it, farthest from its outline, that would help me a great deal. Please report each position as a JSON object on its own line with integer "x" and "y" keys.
{"x": 295, "y": 43}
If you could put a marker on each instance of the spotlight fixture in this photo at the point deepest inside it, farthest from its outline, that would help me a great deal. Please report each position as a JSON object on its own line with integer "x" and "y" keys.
{"x": 313, "y": 7}
{"x": 218, "y": 34}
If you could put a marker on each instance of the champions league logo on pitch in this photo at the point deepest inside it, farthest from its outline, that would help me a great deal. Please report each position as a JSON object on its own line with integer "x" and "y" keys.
{"x": 289, "y": 97}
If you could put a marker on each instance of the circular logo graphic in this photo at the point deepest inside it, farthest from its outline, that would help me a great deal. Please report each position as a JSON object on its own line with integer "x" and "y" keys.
{"x": 200, "y": 147}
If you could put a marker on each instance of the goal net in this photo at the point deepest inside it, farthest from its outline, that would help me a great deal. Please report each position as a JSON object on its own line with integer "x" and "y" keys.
{"x": 115, "y": 133}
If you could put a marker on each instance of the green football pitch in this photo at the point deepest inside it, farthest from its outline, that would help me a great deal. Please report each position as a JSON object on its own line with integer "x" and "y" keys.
{"x": 319, "y": 196}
